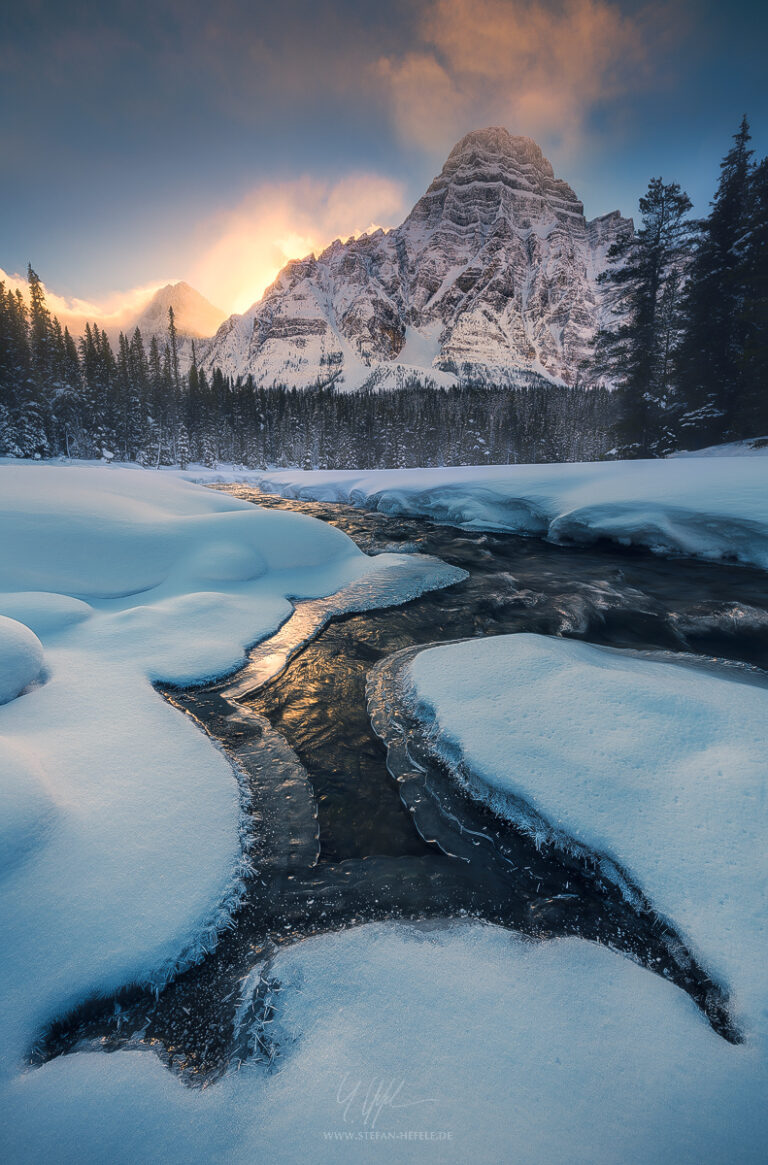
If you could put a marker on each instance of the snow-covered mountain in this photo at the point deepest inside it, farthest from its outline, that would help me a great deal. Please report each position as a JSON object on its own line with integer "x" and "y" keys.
{"x": 194, "y": 315}
{"x": 493, "y": 273}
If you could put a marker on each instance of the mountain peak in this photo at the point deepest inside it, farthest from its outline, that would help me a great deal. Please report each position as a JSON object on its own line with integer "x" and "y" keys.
{"x": 493, "y": 276}
{"x": 489, "y": 178}
{"x": 195, "y": 315}
{"x": 499, "y": 144}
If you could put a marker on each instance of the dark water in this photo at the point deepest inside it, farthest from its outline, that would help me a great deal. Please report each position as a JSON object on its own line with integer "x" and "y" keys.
{"x": 338, "y": 841}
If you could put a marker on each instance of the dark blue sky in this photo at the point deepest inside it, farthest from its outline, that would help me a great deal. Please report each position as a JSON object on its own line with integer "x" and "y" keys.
{"x": 143, "y": 141}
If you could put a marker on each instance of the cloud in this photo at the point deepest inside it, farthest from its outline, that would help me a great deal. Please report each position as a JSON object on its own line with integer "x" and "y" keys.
{"x": 115, "y": 311}
{"x": 539, "y": 68}
{"x": 247, "y": 245}
{"x": 242, "y": 249}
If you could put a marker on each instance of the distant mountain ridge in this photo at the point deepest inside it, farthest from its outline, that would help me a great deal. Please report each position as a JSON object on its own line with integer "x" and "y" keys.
{"x": 195, "y": 317}
{"x": 493, "y": 274}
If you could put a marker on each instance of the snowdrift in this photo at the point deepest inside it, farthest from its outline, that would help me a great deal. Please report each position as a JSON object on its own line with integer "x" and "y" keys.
{"x": 657, "y": 764}
{"x": 491, "y": 1048}
{"x": 699, "y": 507}
{"x": 122, "y": 843}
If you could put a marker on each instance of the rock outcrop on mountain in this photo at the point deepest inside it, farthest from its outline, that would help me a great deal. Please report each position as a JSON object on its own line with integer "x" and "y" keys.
{"x": 492, "y": 275}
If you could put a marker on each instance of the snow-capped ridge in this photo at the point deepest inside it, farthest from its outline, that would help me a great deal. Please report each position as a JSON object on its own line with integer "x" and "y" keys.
{"x": 493, "y": 275}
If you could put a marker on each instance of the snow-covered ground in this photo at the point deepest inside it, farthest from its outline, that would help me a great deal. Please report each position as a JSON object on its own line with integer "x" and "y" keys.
{"x": 408, "y": 1044}
{"x": 706, "y": 508}
{"x": 658, "y": 765}
{"x": 120, "y": 847}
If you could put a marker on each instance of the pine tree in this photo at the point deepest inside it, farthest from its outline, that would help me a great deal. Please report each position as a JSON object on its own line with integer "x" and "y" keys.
{"x": 69, "y": 411}
{"x": 709, "y": 372}
{"x": 183, "y": 456}
{"x": 173, "y": 348}
{"x": 40, "y": 338}
{"x": 751, "y": 413}
{"x": 34, "y": 409}
{"x": 136, "y": 422}
{"x": 122, "y": 395}
{"x": 645, "y": 279}
{"x": 8, "y": 371}
{"x": 14, "y": 366}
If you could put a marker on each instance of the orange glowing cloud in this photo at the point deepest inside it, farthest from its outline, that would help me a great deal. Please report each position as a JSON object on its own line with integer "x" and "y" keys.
{"x": 248, "y": 245}
{"x": 243, "y": 249}
{"x": 537, "y": 68}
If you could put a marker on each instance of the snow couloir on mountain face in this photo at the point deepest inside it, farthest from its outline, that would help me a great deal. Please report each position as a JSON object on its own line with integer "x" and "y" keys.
{"x": 493, "y": 274}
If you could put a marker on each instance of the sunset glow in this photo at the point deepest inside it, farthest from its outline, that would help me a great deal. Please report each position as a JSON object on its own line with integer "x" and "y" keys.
{"x": 383, "y": 558}
{"x": 244, "y": 248}
{"x": 113, "y": 311}
{"x": 279, "y": 222}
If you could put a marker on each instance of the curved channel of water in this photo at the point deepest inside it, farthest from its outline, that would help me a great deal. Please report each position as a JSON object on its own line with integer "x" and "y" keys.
{"x": 339, "y": 842}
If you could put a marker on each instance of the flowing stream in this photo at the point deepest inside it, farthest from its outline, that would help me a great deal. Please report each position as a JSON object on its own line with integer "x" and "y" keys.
{"x": 353, "y": 820}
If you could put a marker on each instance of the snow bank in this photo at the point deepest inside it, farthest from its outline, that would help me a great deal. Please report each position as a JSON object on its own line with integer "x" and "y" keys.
{"x": 410, "y": 1044}
{"x": 698, "y": 507}
{"x": 42, "y": 611}
{"x": 120, "y": 849}
{"x": 755, "y": 447}
{"x": 658, "y": 765}
{"x": 98, "y": 534}
{"x": 21, "y": 658}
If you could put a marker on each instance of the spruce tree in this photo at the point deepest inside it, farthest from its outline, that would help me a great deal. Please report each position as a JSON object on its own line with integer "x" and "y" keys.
{"x": 40, "y": 337}
{"x": 751, "y": 411}
{"x": 645, "y": 278}
{"x": 173, "y": 350}
{"x": 34, "y": 411}
{"x": 709, "y": 371}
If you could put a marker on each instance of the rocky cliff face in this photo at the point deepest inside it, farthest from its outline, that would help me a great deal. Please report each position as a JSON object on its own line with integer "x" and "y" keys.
{"x": 493, "y": 274}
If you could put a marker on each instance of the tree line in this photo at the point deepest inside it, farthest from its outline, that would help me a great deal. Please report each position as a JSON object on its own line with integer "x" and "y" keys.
{"x": 688, "y": 349}
{"x": 81, "y": 399}
{"x": 684, "y": 364}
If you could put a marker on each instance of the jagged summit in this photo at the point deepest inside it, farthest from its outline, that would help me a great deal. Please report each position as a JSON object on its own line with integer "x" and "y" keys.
{"x": 493, "y": 274}
{"x": 485, "y": 177}
{"x": 497, "y": 142}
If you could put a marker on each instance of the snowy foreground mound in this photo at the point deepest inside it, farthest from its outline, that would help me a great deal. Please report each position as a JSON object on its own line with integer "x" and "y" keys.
{"x": 21, "y": 658}
{"x": 659, "y": 766}
{"x": 490, "y": 1049}
{"x": 120, "y": 846}
{"x": 702, "y": 507}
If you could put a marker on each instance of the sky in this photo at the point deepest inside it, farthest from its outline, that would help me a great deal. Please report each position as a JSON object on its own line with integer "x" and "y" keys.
{"x": 147, "y": 142}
